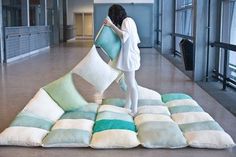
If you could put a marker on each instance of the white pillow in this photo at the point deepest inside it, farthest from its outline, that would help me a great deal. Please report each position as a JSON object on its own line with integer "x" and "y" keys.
{"x": 42, "y": 105}
{"x": 145, "y": 93}
{"x": 97, "y": 72}
{"x": 22, "y": 136}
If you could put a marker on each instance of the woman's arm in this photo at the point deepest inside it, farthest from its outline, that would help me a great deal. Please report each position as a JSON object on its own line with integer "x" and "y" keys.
{"x": 109, "y": 23}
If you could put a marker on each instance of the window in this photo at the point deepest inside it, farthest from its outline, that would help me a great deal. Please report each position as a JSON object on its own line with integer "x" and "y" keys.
{"x": 183, "y": 20}
{"x": 37, "y": 12}
{"x": 14, "y": 13}
{"x": 228, "y": 35}
{"x": 184, "y": 17}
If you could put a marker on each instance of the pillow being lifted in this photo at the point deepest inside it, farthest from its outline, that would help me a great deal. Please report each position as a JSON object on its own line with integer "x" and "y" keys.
{"x": 108, "y": 41}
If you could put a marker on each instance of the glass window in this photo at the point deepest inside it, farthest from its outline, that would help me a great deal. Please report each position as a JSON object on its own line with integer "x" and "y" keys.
{"x": 228, "y": 35}
{"x": 184, "y": 17}
{"x": 14, "y": 13}
{"x": 159, "y": 22}
{"x": 37, "y": 12}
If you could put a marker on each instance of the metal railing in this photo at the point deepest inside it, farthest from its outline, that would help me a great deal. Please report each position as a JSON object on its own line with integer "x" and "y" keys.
{"x": 224, "y": 77}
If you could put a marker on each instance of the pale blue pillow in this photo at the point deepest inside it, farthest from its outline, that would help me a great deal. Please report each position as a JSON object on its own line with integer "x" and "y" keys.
{"x": 109, "y": 42}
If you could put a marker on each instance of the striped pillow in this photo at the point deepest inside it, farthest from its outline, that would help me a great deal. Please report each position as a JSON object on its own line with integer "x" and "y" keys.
{"x": 114, "y": 128}
{"x": 156, "y": 129}
{"x": 198, "y": 127}
{"x": 33, "y": 123}
{"x": 74, "y": 129}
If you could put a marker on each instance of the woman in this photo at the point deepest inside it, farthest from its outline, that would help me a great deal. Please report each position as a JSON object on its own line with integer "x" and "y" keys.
{"x": 129, "y": 57}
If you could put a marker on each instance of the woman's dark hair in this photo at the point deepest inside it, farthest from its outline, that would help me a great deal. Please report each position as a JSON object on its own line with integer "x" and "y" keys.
{"x": 117, "y": 14}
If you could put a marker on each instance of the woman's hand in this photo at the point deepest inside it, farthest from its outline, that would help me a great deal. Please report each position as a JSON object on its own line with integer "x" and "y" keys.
{"x": 108, "y": 22}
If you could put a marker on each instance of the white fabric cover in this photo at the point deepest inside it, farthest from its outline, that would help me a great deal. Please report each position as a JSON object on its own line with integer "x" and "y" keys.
{"x": 112, "y": 108}
{"x": 22, "y": 136}
{"x": 209, "y": 139}
{"x": 153, "y": 109}
{"x": 182, "y": 102}
{"x": 191, "y": 117}
{"x": 145, "y": 93}
{"x": 151, "y": 117}
{"x": 117, "y": 138}
{"x": 42, "y": 105}
{"x": 82, "y": 124}
{"x": 97, "y": 72}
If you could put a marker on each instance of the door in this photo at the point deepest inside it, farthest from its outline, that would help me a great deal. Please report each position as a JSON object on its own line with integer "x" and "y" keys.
{"x": 88, "y": 25}
{"x": 79, "y": 24}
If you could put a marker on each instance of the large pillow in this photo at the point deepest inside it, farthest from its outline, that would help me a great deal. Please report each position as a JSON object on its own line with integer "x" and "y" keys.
{"x": 44, "y": 106}
{"x": 74, "y": 129}
{"x": 33, "y": 123}
{"x": 114, "y": 128}
{"x": 26, "y": 130}
{"x": 64, "y": 93}
{"x": 97, "y": 72}
{"x": 198, "y": 127}
{"x": 156, "y": 129}
{"x": 109, "y": 42}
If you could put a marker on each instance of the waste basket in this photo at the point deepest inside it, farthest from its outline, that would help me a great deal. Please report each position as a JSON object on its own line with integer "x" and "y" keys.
{"x": 186, "y": 48}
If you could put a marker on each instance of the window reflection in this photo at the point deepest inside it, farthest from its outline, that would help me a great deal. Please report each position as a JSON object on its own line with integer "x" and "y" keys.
{"x": 37, "y": 12}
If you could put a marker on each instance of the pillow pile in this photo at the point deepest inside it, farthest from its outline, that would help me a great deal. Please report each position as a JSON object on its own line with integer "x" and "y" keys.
{"x": 155, "y": 127}
{"x": 73, "y": 129}
{"x": 198, "y": 127}
{"x": 33, "y": 123}
{"x": 114, "y": 128}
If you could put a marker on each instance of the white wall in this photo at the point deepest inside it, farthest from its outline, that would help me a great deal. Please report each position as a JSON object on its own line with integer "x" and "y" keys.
{"x": 76, "y": 6}
{"x": 124, "y": 1}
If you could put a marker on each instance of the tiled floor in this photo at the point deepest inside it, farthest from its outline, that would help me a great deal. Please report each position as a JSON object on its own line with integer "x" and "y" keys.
{"x": 21, "y": 80}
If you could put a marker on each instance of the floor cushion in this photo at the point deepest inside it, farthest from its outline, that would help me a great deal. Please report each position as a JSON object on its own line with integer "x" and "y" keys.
{"x": 114, "y": 128}
{"x": 74, "y": 129}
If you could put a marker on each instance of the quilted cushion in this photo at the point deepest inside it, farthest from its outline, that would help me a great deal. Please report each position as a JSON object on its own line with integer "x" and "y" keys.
{"x": 74, "y": 129}
{"x": 114, "y": 128}
{"x": 33, "y": 123}
{"x": 156, "y": 129}
{"x": 97, "y": 72}
{"x": 198, "y": 127}
{"x": 109, "y": 42}
{"x": 64, "y": 93}
{"x": 26, "y": 130}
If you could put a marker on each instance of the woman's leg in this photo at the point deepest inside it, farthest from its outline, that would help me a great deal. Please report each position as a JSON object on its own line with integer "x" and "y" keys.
{"x": 132, "y": 90}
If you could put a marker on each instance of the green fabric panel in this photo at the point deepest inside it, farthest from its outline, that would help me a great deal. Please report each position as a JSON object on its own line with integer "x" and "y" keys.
{"x": 174, "y": 96}
{"x": 79, "y": 115}
{"x": 161, "y": 135}
{"x": 150, "y": 102}
{"x": 65, "y": 94}
{"x": 30, "y": 121}
{"x": 114, "y": 101}
{"x": 109, "y": 41}
{"x": 102, "y": 125}
{"x": 65, "y": 136}
{"x": 198, "y": 126}
{"x": 90, "y": 107}
{"x": 114, "y": 115}
{"x": 185, "y": 108}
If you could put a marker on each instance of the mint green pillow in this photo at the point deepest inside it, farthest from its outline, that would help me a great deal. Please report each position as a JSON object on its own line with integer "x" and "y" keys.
{"x": 109, "y": 42}
{"x": 174, "y": 96}
{"x": 64, "y": 93}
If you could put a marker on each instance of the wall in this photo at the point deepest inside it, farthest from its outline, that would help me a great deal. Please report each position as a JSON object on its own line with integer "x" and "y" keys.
{"x": 78, "y": 6}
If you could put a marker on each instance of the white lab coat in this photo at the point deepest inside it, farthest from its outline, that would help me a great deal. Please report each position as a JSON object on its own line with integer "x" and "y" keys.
{"x": 129, "y": 57}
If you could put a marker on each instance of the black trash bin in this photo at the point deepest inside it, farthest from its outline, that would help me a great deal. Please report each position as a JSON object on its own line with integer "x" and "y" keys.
{"x": 186, "y": 48}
